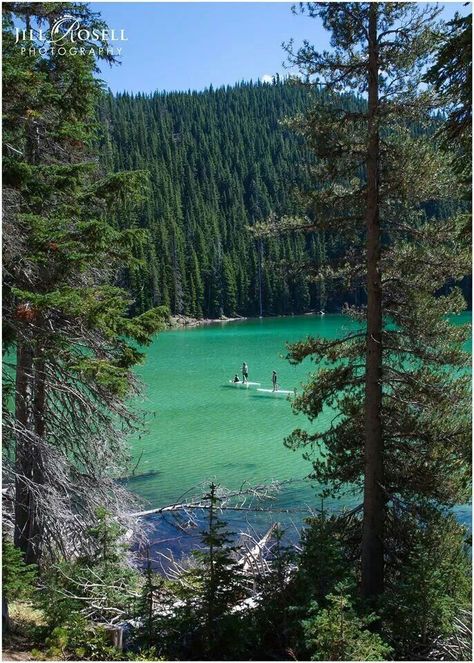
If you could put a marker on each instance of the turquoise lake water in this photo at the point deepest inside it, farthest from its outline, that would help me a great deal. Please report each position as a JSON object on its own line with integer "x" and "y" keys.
{"x": 201, "y": 429}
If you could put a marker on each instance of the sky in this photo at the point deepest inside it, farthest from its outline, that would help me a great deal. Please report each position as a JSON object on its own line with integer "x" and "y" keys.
{"x": 182, "y": 46}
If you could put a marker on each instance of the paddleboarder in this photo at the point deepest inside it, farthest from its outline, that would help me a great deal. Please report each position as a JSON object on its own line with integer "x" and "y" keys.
{"x": 274, "y": 381}
{"x": 245, "y": 372}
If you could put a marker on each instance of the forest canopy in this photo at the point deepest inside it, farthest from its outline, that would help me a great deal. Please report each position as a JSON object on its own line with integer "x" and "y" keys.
{"x": 219, "y": 162}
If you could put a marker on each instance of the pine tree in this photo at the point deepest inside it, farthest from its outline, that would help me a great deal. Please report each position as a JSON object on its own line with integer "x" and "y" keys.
{"x": 75, "y": 343}
{"x": 221, "y": 587}
{"x": 273, "y": 618}
{"x": 208, "y": 594}
{"x": 430, "y": 587}
{"x": 338, "y": 633}
{"x": 99, "y": 584}
{"x": 230, "y": 287}
{"x": 152, "y": 619}
{"x": 398, "y": 381}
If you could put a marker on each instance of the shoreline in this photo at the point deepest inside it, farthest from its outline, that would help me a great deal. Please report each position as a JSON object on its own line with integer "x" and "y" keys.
{"x": 185, "y": 321}
{"x": 181, "y": 321}
{"x": 177, "y": 321}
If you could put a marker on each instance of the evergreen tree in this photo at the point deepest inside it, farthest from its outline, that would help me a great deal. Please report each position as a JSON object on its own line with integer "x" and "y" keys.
{"x": 75, "y": 342}
{"x": 338, "y": 633}
{"x": 430, "y": 585}
{"x": 219, "y": 575}
{"x": 397, "y": 383}
{"x": 18, "y": 578}
{"x": 207, "y": 595}
{"x": 146, "y": 606}
{"x": 272, "y": 635}
{"x": 99, "y": 585}
{"x": 230, "y": 287}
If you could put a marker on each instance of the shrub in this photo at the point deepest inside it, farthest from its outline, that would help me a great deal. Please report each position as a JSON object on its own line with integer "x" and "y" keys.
{"x": 338, "y": 633}
{"x": 18, "y": 578}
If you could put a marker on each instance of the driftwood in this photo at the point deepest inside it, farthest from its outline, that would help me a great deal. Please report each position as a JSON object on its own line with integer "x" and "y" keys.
{"x": 458, "y": 646}
{"x": 241, "y": 499}
{"x": 115, "y": 635}
{"x": 184, "y": 506}
{"x": 254, "y": 559}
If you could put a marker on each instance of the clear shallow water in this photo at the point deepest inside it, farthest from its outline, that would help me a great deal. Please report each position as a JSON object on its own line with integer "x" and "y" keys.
{"x": 200, "y": 429}
{"x": 206, "y": 429}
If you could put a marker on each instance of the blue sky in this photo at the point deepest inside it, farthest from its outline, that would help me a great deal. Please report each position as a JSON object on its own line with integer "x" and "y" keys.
{"x": 181, "y": 46}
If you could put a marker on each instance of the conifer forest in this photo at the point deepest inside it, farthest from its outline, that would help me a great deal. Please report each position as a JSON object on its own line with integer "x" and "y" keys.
{"x": 318, "y": 222}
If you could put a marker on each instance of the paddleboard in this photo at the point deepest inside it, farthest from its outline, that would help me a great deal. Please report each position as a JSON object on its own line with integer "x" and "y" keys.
{"x": 244, "y": 384}
{"x": 284, "y": 392}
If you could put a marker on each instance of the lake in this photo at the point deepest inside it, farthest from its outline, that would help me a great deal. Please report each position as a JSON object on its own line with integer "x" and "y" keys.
{"x": 199, "y": 428}
{"x": 203, "y": 428}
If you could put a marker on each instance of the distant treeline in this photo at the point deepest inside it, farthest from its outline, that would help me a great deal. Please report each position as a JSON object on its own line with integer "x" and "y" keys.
{"x": 218, "y": 162}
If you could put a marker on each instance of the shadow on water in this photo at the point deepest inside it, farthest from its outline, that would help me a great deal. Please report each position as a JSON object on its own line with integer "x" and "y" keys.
{"x": 273, "y": 397}
{"x": 245, "y": 466}
{"x": 132, "y": 478}
{"x": 173, "y": 537}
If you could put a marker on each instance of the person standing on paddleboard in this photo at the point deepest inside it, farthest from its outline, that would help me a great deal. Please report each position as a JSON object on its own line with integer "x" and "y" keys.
{"x": 274, "y": 381}
{"x": 245, "y": 372}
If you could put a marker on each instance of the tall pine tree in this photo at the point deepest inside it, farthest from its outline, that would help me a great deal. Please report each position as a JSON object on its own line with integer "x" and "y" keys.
{"x": 65, "y": 319}
{"x": 398, "y": 383}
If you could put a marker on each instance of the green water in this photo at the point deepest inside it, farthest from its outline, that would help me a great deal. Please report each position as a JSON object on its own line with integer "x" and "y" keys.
{"x": 204, "y": 430}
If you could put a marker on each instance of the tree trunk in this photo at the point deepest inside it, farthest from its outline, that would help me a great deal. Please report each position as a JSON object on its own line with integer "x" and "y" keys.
{"x": 374, "y": 502}
{"x": 29, "y": 409}
{"x": 39, "y": 402}
{"x": 5, "y": 615}
{"x": 23, "y": 457}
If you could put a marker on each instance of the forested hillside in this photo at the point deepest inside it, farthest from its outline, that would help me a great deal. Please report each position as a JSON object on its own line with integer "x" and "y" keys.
{"x": 219, "y": 161}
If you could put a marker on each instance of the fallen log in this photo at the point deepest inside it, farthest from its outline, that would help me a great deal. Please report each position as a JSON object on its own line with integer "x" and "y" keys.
{"x": 254, "y": 557}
